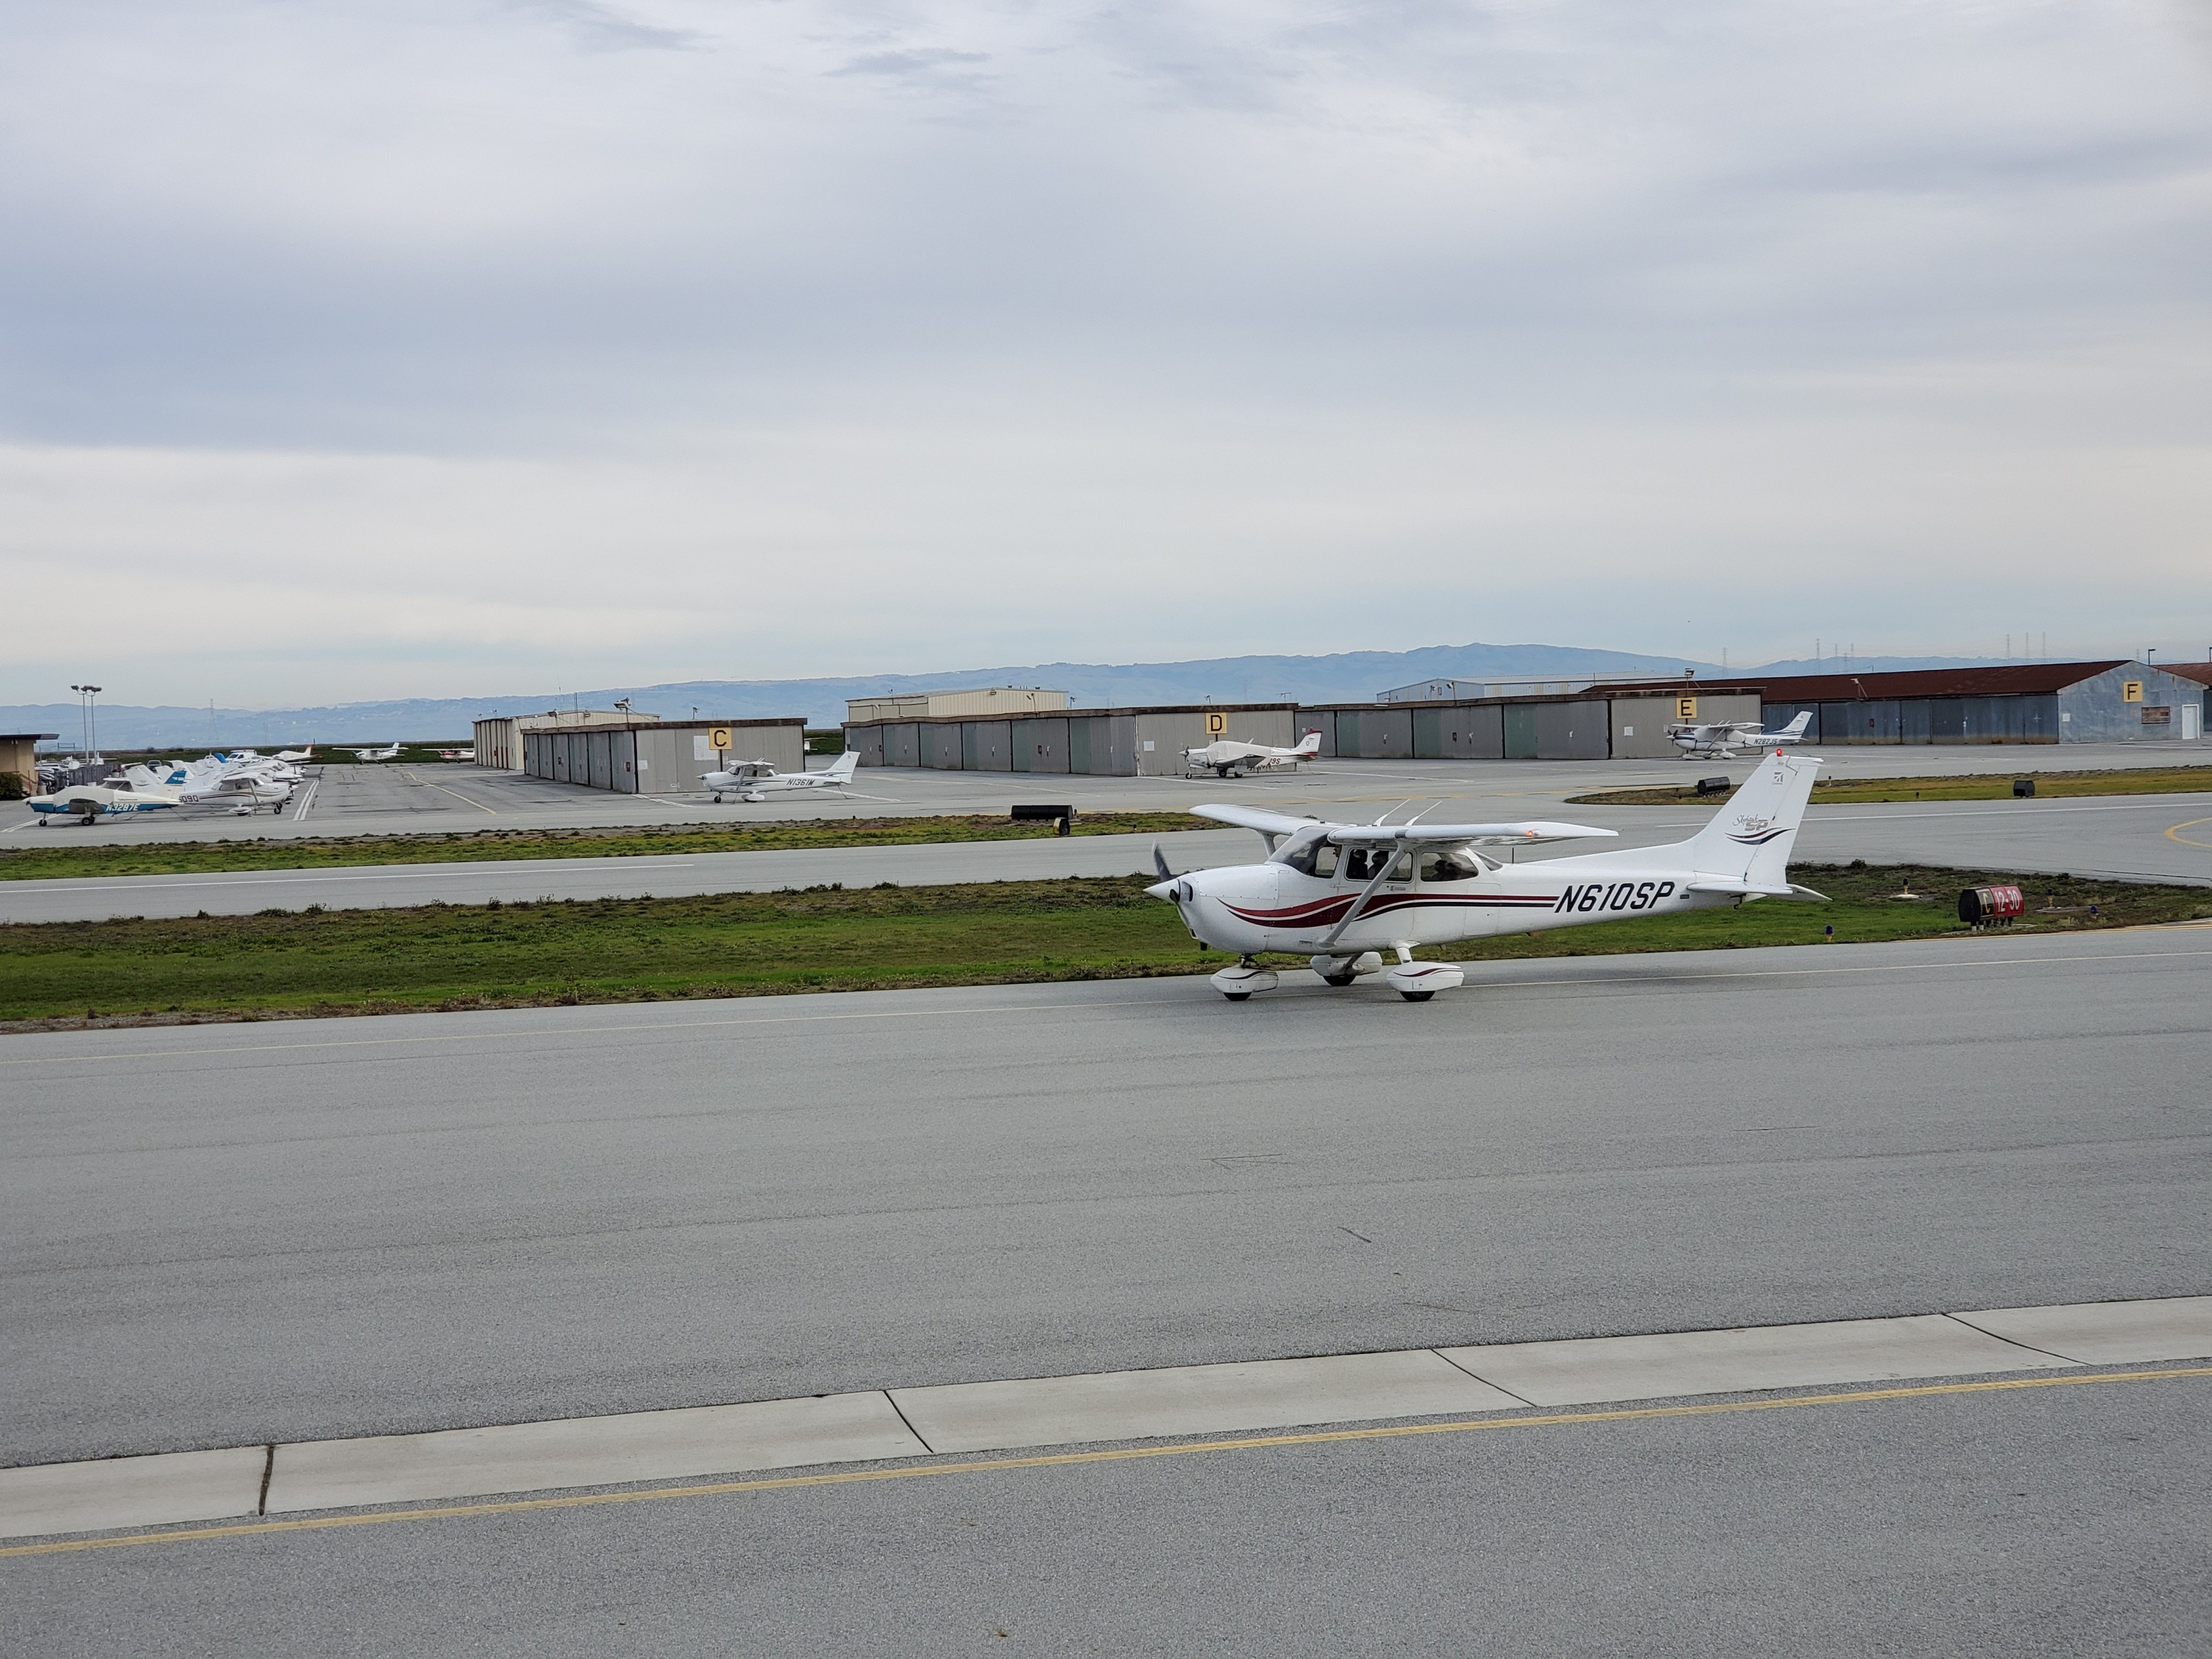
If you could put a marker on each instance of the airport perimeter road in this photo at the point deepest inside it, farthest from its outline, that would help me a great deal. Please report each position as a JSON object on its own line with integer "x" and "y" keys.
{"x": 2158, "y": 837}
{"x": 299, "y": 1230}
{"x": 2049, "y": 1522}
{"x": 350, "y": 800}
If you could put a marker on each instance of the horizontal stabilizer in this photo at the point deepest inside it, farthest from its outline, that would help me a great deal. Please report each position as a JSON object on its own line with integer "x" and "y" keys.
{"x": 1745, "y": 890}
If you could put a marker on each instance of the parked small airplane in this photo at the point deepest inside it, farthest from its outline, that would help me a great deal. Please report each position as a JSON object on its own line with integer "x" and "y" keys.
{"x": 468, "y": 754}
{"x": 1228, "y": 758}
{"x": 90, "y": 802}
{"x": 1342, "y": 894}
{"x": 755, "y": 780}
{"x": 294, "y": 757}
{"x": 1721, "y": 740}
{"x": 243, "y": 782}
{"x": 242, "y": 792}
{"x": 390, "y": 751}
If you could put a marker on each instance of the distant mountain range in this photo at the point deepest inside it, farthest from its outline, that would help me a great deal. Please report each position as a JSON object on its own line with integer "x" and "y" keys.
{"x": 1345, "y": 677}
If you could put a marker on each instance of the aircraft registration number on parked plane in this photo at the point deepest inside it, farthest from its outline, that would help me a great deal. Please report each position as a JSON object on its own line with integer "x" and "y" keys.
{"x": 1614, "y": 896}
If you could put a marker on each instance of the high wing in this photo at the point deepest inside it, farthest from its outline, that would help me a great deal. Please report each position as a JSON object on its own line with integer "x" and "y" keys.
{"x": 1256, "y": 817}
{"x": 1405, "y": 835}
{"x": 1464, "y": 835}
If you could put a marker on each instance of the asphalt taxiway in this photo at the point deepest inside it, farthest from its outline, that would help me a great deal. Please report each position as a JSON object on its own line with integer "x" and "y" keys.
{"x": 226, "y": 1236}
{"x": 230, "y": 1237}
{"x": 2144, "y": 837}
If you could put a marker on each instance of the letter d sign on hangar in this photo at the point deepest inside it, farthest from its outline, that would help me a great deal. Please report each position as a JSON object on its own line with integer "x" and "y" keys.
{"x": 1216, "y": 722}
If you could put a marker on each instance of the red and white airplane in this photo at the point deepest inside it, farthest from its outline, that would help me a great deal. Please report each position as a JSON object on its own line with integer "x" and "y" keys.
{"x": 1341, "y": 893}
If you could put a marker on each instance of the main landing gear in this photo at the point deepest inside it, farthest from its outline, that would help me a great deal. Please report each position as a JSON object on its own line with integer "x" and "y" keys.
{"x": 1341, "y": 971}
{"x": 1416, "y": 981}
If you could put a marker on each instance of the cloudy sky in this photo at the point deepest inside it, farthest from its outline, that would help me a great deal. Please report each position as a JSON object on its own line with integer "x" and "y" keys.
{"x": 352, "y": 351}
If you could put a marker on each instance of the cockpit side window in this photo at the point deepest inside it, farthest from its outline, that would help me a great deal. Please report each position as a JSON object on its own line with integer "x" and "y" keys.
{"x": 1450, "y": 866}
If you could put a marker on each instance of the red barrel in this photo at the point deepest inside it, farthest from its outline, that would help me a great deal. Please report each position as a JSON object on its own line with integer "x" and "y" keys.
{"x": 1980, "y": 906}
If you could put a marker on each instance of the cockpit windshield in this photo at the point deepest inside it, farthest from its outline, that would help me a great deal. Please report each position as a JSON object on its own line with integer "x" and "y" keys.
{"x": 1308, "y": 852}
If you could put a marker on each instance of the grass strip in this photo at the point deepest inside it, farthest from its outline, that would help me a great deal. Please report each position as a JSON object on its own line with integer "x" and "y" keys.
{"x": 66, "y": 974}
{"x": 2143, "y": 781}
{"x": 180, "y": 858}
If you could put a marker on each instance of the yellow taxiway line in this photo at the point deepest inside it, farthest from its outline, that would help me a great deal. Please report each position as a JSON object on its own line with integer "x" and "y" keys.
{"x": 2175, "y": 834}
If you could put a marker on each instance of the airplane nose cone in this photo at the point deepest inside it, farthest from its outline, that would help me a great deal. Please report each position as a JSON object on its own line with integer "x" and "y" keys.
{"x": 1163, "y": 889}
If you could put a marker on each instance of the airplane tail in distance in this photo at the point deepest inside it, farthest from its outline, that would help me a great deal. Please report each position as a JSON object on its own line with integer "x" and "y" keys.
{"x": 842, "y": 768}
{"x": 1796, "y": 727}
{"x": 1750, "y": 838}
{"x": 1309, "y": 746}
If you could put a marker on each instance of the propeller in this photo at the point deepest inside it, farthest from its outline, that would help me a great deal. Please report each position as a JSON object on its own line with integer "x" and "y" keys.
{"x": 1160, "y": 863}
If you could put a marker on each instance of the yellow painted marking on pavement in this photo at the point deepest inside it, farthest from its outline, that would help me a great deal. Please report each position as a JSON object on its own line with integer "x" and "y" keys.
{"x": 2175, "y": 834}
{"x": 1060, "y": 1459}
{"x": 1547, "y": 984}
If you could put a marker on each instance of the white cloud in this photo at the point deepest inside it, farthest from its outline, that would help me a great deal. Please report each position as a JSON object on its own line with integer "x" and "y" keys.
{"x": 381, "y": 341}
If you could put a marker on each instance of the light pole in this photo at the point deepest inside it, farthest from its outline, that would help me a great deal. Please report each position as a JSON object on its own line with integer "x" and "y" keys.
{"x": 90, "y": 727}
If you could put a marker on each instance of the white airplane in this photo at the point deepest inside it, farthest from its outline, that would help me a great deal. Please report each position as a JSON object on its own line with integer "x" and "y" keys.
{"x": 1228, "y": 758}
{"x": 89, "y": 802}
{"x": 1342, "y": 894}
{"x": 294, "y": 757}
{"x": 755, "y": 780}
{"x": 243, "y": 783}
{"x": 1721, "y": 740}
{"x": 390, "y": 751}
{"x": 244, "y": 793}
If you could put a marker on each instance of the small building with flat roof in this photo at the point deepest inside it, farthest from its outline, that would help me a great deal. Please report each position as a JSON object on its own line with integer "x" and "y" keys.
{"x": 19, "y": 753}
{"x": 984, "y": 702}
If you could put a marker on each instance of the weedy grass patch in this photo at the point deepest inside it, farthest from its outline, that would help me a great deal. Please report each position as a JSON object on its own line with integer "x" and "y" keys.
{"x": 279, "y": 964}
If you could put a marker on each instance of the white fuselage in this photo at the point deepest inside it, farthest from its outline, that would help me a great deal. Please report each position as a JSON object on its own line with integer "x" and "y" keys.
{"x": 1228, "y": 757}
{"x": 1247, "y": 908}
{"x": 757, "y": 778}
{"x": 90, "y": 800}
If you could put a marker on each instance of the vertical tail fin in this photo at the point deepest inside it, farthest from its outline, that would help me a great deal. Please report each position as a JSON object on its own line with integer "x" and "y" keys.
{"x": 1750, "y": 838}
{"x": 843, "y": 766}
{"x": 1796, "y": 728}
{"x": 1309, "y": 745}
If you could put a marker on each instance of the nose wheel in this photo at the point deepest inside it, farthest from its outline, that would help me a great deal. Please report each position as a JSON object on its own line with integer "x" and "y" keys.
{"x": 1238, "y": 983}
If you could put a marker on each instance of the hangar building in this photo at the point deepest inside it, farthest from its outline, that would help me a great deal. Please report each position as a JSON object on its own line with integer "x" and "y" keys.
{"x": 637, "y": 755}
{"x": 1128, "y": 743}
{"x": 2112, "y": 701}
{"x": 1585, "y": 726}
